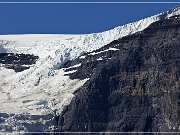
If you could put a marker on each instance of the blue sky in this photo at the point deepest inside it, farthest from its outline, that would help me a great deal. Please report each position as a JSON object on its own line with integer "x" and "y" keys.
{"x": 72, "y": 18}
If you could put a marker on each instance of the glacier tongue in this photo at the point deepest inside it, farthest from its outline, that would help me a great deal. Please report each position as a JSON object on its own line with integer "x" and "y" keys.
{"x": 44, "y": 88}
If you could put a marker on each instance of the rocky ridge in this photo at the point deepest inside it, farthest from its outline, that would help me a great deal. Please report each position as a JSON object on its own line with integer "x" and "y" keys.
{"x": 133, "y": 86}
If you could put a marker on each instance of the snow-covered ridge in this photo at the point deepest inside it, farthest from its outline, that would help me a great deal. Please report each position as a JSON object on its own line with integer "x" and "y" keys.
{"x": 46, "y": 80}
{"x": 51, "y": 43}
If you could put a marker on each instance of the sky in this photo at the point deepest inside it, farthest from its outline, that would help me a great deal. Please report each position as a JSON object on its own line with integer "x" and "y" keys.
{"x": 73, "y": 18}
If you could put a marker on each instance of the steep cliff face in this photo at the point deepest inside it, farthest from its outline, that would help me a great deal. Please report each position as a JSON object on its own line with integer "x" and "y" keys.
{"x": 133, "y": 86}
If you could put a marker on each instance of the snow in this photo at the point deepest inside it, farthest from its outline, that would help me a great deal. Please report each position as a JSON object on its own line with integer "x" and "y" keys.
{"x": 45, "y": 85}
{"x": 38, "y": 99}
{"x": 99, "y": 59}
{"x": 78, "y": 65}
{"x": 82, "y": 57}
{"x": 110, "y": 49}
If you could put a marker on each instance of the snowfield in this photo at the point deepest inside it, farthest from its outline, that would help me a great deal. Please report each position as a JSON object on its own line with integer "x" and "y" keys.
{"x": 43, "y": 87}
{"x": 53, "y": 92}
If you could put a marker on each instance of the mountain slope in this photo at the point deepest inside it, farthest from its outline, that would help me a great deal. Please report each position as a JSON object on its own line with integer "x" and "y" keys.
{"x": 134, "y": 84}
{"x": 36, "y": 92}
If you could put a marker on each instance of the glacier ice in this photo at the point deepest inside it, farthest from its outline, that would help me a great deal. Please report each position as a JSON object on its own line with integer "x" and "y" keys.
{"x": 44, "y": 87}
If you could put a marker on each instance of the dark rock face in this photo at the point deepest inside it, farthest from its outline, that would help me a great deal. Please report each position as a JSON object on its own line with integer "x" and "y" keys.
{"x": 17, "y": 62}
{"x": 133, "y": 89}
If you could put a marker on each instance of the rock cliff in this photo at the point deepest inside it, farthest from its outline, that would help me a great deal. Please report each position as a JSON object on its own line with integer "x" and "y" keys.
{"x": 133, "y": 86}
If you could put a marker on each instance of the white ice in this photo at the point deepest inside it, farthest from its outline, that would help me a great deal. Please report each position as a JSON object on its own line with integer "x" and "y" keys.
{"x": 45, "y": 87}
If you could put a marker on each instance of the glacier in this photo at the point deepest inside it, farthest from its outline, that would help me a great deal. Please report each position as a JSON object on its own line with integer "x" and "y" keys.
{"x": 44, "y": 87}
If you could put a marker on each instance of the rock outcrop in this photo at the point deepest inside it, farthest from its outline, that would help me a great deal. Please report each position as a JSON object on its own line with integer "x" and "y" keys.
{"x": 17, "y": 62}
{"x": 133, "y": 86}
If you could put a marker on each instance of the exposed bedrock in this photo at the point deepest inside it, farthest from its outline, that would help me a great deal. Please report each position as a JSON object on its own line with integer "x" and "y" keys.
{"x": 17, "y": 62}
{"x": 133, "y": 87}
